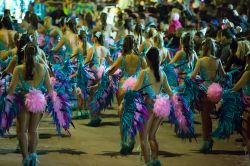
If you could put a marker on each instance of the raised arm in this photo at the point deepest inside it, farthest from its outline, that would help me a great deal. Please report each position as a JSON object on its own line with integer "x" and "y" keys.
{"x": 242, "y": 82}
{"x": 11, "y": 65}
{"x": 14, "y": 81}
{"x": 176, "y": 58}
{"x": 47, "y": 81}
{"x": 59, "y": 45}
{"x": 115, "y": 65}
{"x": 139, "y": 81}
{"x": 166, "y": 85}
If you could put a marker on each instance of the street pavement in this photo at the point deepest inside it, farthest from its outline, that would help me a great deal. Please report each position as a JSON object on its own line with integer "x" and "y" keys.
{"x": 100, "y": 147}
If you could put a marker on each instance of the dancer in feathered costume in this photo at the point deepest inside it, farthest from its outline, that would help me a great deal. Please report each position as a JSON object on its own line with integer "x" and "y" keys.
{"x": 165, "y": 58}
{"x": 26, "y": 83}
{"x": 69, "y": 39}
{"x": 149, "y": 41}
{"x": 48, "y": 36}
{"x": 154, "y": 81}
{"x": 146, "y": 106}
{"x": 130, "y": 64}
{"x": 97, "y": 58}
{"x": 209, "y": 68}
{"x": 235, "y": 110}
{"x": 84, "y": 74}
{"x": 185, "y": 58}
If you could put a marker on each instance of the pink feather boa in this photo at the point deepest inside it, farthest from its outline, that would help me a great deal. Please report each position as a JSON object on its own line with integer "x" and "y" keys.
{"x": 162, "y": 106}
{"x": 178, "y": 112}
{"x": 57, "y": 104}
{"x": 214, "y": 92}
{"x": 129, "y": 83}
{"x": 35, "y": 101}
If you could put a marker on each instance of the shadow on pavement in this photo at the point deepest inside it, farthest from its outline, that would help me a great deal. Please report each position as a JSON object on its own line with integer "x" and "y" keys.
{"x": 225, "y": 152}
{"x": 45, "y": 152}
{"x": 61, "y": 151}
{"x": 48, "y": 136}
{"x": 161, "y": 153}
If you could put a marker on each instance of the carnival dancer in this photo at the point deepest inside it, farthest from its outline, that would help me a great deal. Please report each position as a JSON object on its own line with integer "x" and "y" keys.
{"x": 27, "y": 77}
{"x": 7, "y": 33}
{"x": 149, "y": 42}
{"x": 98, "y": 58}
{"x": 210, "y": 70}
{"x": 154, "y": 81}
{"x": 185, "y": 58}
{"x": 164, "y": 53}
{"x": 69, "y": 38}
{"x": 244, "y": 84}
{"x": 130, "y": 64}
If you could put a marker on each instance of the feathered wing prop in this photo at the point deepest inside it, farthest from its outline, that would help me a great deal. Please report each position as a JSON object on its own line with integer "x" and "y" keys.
{"x": 59, "y": 109}
{"x": 9, "y": 108}
{"x": 182, "y": 116}
{"x": 230, "y": 114}
{"x": 83, "y": 80}
{"x": 135, "y": 114}
{"x": 103, "y": 97}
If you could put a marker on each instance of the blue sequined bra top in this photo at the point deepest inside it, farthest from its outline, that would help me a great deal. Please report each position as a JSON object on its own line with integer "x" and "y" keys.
{"x": 184, "y": 65}
{"x": 25, "y": 87}
{"x": 125, "y": 73}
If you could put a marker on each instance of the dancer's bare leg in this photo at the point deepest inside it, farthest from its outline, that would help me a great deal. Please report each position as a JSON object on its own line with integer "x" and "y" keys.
{"x": 145, "y": 147}
{"x": 33, "y": 134}
{"x": 152, "y": 137}
{"x": 23, "y": 117}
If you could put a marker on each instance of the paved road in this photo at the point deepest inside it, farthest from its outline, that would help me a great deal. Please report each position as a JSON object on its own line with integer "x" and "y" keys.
{"x": 100, "y": 147}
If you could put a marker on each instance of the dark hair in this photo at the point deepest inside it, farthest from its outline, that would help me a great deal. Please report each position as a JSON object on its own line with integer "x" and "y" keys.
{"x": 103, "y": 19}
{"x": 208, "y": 47}
{"x": 89, "y": 20}
{"x": 34, "y": 21}
{"x": 139, "y": 31}
{"x": 128, "y": 24}
{"x": 6, "y": 12}
{"x": 128, "y": 44}
{"x": 153, "y": 58}
{"x": 100, "y": 38}
{"x": 188, "y": 45}
{"x": 30, "y": 52}
{"x": 7, "y": 23}
{"x": 72, "y": 25}
{"x": 27, "y": 16}
{"x": 83, "y": 38}
{"x": 24, "y": 39}
{"x": 61, "y": 21}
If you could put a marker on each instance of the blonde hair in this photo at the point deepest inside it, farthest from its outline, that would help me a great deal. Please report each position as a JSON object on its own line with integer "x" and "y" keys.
{"x": 158, "y": 41}
{"x": 242, "y": 49}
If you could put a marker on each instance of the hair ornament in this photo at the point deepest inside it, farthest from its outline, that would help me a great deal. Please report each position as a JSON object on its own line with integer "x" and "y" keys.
{"x": 98, "y": 34}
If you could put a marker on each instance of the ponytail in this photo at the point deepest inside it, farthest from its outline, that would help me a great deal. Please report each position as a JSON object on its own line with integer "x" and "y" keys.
{"x": 83, "y": 38}
{"x": 153, "y": 57}
{"x": 188, "y": 46}
{"x": 30, "y": 52}
{"x": 72, "y": 25}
